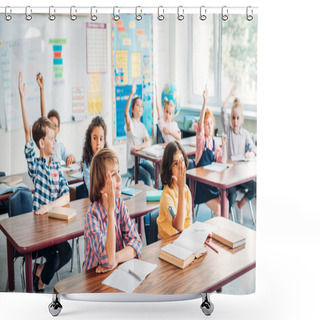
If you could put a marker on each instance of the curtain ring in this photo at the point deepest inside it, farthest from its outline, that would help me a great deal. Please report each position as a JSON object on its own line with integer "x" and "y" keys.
{"x": 138, "y": 16}
{"x": 8, "y": 17}
{"x": 249, "y": 16}
{"x": 224, "y": 16}
{"x": 203, "y": 16}
{"x": 93, "y": 16}
{"x": 180, "y": 16}
{"x": 52, "y": 16}
{"x": 73, "y": 17}
{"x": 28, "y": 16}
{"x": 116, "y": 17}
{"x": 160, "y": 16}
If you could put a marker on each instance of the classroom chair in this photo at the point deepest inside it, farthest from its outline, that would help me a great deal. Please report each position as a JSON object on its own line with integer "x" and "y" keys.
{"x": 150, "y": 226}
{"x": 3, "y": 204}
{"x": 159, "y": 135}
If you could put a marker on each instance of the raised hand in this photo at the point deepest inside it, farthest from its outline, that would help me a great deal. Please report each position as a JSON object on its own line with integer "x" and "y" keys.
{"x": 21, "y": 86}
{"x": 233, "y": 90}
{"x": 40, "y": 80}
{"x": 205, "y": 94}
{"x": 134, "y": 87}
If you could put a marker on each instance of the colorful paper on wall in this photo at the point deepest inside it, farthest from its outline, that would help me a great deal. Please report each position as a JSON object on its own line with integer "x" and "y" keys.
{"x": 57, "y": 48}
{"x": 135, "y": 65}
{"x": 121, "y": 67}
{"x": 96, "y": 47}
{"x": 95, "y": 102}
{"x": 78, "y": 107}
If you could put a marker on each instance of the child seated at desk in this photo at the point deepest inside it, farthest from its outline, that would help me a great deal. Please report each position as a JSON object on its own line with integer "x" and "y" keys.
{"x": 60, "y": 151}
{"x": 110, "y": 236}
{"x": 137, "y": 137}
{"x": 240, "y": 143}
{"x": 50, "y": 189}
{"x": 208, "y": 151}
{"x": 95, "y": 140}
{"x": 168, "y": 127}
{"x": 176, "y": 202}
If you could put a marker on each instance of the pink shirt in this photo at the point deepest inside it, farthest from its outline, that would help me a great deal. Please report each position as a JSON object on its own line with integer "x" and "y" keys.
{"x": 201, "y": 139}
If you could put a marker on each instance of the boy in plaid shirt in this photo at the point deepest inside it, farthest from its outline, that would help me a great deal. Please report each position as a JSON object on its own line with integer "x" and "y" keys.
{"x": 50, "y": 188}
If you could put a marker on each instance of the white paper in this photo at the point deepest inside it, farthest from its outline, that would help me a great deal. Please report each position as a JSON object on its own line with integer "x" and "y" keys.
{"x": 177, "y": 251}
{"x": 215, "y": 166}
{"x": 76, "y": 175}
{"x": 139, "y": 267}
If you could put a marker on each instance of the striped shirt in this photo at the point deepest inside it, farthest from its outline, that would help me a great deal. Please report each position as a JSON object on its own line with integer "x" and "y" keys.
{"x": 95, "y": 233}
{"x": 48, "y": 180}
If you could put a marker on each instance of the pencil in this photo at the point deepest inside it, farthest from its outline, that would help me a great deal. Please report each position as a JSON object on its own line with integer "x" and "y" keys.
{"x": 210, "y": 246}
{"x": 135, "y": 275}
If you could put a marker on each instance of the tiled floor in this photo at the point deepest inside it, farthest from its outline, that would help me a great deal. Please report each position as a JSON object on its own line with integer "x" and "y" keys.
{"x": 242, "y": 285}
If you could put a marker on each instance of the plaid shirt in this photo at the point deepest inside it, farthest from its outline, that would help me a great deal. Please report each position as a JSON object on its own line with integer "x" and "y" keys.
{"x": 95, "y": 233}
{"x": 49, "y": 182}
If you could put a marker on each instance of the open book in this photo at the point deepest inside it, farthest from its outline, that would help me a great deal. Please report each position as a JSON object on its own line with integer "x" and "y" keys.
{"x": 216, "y": 166}
{"x": 154, "y": 151}
{"x": 129, "y": 275}
{"x": 189, "y": 245}
{"x": 11, "y": 181}
{"x": 6, "y": 189}
{"x": 62, "y": 213}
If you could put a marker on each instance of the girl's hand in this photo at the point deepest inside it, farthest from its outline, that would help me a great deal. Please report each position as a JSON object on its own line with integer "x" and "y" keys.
{"x": 181, "y": 175}
{"x": 108, "y": 198}
{"x": 102, "y": 269}
{"x": 233, "y": 90}
{"x": 70, "y": 159}
{"x": 44, "y": 209}
{"x": 205, "y": 94}
{"x": 223, "y": 140}
{"x": 40, "y": 80}
{"x": 135, "y": 148}
{"x": 249, "y": 154}
{"x": 21, "y": 86}
{"x": 134, "y": 87}
{"x": 166, "y": 130}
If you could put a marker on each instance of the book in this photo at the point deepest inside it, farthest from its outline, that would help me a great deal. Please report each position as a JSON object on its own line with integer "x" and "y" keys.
{"x": 130, "y": 191}
{"x": 228, "y": 237}
{"x": 216, "y": 166}
{"x": 62, "y": 213}
{"x": 188, "y": 246}
{"x": 129, "y": 275}
{"x": 241, "y": 157}
{"x": 153, "y": 195}
{"x": 6, "y": 189}
{"x": 154, "y": 151}
{"x": 76, "y": 175}
{"x": 11, "y": 181}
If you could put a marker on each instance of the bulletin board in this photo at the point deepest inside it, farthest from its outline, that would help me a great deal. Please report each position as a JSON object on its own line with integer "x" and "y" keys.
{"x": 73, "y": 84}
{"x": 132, "y": 59}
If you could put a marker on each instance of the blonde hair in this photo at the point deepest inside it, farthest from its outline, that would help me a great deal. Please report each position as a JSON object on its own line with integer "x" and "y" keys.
{"x": 237, "y": 104}
{"x": 98, "y": 172}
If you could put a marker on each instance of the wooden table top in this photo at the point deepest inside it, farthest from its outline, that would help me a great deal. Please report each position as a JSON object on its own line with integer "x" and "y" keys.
{"x": 206, "y": 274}
{"x": 240, "y": 172}
{"x": 30, "y": 232}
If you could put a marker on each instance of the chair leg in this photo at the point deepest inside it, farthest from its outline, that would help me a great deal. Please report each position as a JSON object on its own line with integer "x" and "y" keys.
{"x": 72, "y": 247}
{"x": 252, "y": 215}
{"x": 232, "y": 214}
{"x": 58, "y": 276}
{"x": 23, "y": 282}
{"x": 198, "y": 205}
{"x": 78, "y": 253}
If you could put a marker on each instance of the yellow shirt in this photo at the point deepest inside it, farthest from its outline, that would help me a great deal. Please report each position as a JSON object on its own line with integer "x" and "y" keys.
{"x": 169, "y": 198}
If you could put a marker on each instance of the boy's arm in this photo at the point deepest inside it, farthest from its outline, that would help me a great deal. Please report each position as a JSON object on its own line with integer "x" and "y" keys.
{"x": 22, "y": 93}
{"x": 205, "y": 97}
{"x": 126, "y": 110}
{"x": 62, "y": 201}
{"x": 41, "y": 85}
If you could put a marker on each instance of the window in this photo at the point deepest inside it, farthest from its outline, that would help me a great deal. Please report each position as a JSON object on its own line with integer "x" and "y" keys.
{"x": 224, "y": 53}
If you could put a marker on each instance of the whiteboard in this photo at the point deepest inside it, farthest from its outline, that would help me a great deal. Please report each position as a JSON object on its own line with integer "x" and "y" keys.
{"x": 57, "y": 49}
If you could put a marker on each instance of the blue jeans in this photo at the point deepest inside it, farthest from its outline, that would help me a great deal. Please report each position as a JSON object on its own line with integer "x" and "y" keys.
{"x": 251, "y": 190}
{"x": 146, "y": 172}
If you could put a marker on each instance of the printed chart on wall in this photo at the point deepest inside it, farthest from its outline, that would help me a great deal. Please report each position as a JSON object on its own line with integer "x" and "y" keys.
{"x": 132, "y": 59}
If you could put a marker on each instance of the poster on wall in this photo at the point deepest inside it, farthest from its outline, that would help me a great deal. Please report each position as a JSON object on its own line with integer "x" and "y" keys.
{"x": 132, "y": 59}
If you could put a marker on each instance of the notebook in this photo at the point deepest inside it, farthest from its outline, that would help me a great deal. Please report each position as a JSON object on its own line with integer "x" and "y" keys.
{"x": 62, "y": 213}
{"x": 6, "y": 189}
{"x": 130, "y": 191}
{"x": 153, "y": 195}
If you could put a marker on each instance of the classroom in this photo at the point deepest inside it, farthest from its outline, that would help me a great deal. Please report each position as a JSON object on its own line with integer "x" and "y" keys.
{"x": 89, "y": 69}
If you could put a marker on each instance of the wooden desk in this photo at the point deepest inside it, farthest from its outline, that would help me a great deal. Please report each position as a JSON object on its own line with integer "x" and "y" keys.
{"x": 240, "y": 172}
{"x": 190, "y": 151}
{"x": 28, "y": 182}
{"x": 204, "y": 275}
{"x": 29, "y": 232}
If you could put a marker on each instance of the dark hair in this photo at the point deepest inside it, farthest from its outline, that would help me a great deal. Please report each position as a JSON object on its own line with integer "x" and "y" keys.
{"x": 87, "y": 152}
{"x": 167, "y": 160}
{"x": 133, "y": 103}
{"x": 39, "y": 129}
{"x": 54, "y": 113}
{"x": 98, "y": 172}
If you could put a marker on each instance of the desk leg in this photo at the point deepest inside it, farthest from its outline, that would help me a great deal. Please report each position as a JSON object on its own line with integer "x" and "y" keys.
{"x": 192, "y": 191}
{"x": 10, "y": 266}
{"x": 136, "y": 169}
{"x": 140, "y": 227}
{"x": 156, "y": 176}
{"x": 29, "y": 280}
{"x": 224, "y": 203}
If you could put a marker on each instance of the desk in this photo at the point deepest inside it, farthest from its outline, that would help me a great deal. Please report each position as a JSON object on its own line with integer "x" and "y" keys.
{"x": 190, "y": 151}
{"x": 29, "y": 232}
{"x": 28, "y": 182}
{"x": 207, "y": 274}
{"x": 240, "y": 172}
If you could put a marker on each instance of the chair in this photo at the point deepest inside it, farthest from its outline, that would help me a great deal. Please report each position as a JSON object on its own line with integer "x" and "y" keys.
{"x": 151, "y": 227}
{"x": 19, "y": 203}
{"x": 3, "y": 204}
{"x": 159, "y": 135}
